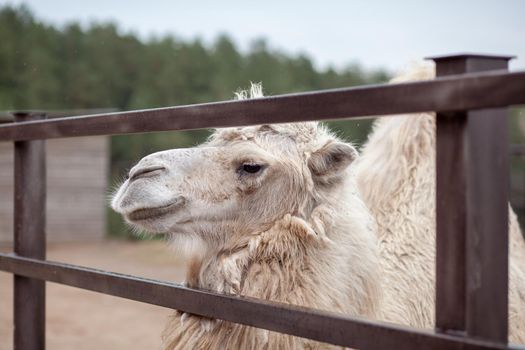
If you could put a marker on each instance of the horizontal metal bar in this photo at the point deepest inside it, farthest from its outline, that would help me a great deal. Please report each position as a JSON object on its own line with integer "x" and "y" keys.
{"x": 7, "y": 117}
{"x": 451, "y": 93}
{"x": 299, "y": 321}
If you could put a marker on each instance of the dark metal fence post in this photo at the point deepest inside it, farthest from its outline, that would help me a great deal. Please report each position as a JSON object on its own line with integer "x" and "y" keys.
{"x": 471, "y": 212}
{"x": 29, "y": 237}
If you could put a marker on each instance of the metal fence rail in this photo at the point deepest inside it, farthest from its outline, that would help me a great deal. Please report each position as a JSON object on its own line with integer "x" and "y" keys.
{"x": 469, "y": 91}
{"x": 314, "y": 324}
{"x": 471, "y": 209}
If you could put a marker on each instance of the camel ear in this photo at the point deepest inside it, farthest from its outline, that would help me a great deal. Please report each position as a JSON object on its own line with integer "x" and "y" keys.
{"x": 329, "y": 162}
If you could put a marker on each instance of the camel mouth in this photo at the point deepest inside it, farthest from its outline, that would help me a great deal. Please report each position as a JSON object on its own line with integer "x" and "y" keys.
{"x": 151, "y": 213}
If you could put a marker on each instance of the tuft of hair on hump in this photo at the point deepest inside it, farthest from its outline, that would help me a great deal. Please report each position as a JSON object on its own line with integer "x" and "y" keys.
{"x": 255, "y": 91}
{"x": 416, "y": 71}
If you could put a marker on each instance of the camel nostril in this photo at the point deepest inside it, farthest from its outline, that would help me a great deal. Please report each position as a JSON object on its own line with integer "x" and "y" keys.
{"x": 144, "y": 172}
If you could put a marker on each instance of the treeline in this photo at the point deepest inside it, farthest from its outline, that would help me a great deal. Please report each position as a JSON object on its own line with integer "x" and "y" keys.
{"x": 47, "y": 67}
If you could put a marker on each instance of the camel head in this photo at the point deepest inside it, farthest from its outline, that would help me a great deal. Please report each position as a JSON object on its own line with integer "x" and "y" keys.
{"x": 242, "y": 180}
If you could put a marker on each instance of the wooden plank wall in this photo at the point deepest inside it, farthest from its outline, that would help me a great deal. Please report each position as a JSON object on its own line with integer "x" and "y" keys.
{"x": 77, "y": 170}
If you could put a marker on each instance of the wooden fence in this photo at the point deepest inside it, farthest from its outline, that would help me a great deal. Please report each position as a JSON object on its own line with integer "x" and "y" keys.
{"x": 470, "y": 96}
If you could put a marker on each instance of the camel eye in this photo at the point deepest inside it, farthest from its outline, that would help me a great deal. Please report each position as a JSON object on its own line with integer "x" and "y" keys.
{"x": 251, "y": 168}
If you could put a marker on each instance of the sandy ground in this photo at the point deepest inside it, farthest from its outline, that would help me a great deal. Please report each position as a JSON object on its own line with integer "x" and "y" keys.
{"x": 82, "y": 320}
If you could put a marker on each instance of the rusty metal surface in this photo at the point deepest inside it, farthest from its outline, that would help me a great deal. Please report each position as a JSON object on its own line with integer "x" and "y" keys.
{"x": 482, "y": 90}
{"x": 458, "y": 242}
{"x": 29, "y": 238}
{"x": 318, "y": 325}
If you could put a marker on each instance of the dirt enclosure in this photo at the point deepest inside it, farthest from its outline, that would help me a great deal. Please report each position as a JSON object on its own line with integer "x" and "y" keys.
{"x": 82, "y": 320}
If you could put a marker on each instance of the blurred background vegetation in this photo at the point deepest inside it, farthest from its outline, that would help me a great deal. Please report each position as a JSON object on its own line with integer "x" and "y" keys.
{"x": 46, "y": 67}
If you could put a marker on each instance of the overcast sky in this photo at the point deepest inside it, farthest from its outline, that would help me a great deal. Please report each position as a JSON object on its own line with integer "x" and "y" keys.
{"x": 381, "y": 33}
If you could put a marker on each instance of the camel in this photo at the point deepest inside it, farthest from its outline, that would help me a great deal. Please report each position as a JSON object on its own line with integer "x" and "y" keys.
{"x": 281, "y": 212}
{"x": 269, "y": 211}
{"x": 396, "y": 177}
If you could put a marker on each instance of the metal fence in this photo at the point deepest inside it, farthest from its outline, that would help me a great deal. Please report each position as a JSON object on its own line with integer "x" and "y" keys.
{"x": 470, "y": 96}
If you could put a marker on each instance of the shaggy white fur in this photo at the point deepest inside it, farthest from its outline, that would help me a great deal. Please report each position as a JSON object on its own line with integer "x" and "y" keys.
{"x": 322, "y": 254}
{"x": 396, "y": 176}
